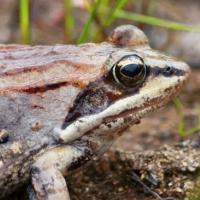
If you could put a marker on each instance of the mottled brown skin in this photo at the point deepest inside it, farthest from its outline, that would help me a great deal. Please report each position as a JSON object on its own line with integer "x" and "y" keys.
{"x": 21, "y": 110}
{"x": 38, "y": 85}
{"x": 25, "y": 104}
{"x": 43, "y": 87}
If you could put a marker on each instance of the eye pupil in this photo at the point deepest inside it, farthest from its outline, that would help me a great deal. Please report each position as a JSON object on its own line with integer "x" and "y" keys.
{"x": 131, "y": 70}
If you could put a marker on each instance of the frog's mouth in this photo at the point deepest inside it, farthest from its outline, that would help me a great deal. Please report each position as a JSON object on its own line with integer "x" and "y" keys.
{"x": 123, "y": 112}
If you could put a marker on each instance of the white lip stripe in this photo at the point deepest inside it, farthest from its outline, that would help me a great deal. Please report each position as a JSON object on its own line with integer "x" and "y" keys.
{"x": 152, "y": 90}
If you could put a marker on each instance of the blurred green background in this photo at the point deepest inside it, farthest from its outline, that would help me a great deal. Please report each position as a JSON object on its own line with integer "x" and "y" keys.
{"x": 172, "y": 26}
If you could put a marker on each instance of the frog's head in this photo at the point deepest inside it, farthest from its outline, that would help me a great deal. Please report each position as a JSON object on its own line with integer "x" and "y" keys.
{"x": 136, "y": 80}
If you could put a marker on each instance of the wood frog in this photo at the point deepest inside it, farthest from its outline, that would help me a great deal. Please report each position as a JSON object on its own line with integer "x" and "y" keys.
{"x": 64, "y": 105}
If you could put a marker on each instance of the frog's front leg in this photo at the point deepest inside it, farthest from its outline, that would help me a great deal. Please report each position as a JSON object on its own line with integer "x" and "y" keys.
{"x": 47, "y": 173}
{"x": 48, "y": 183}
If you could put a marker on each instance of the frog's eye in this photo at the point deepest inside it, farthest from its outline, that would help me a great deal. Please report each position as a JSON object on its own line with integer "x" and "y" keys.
{"x": 129, "y": 71}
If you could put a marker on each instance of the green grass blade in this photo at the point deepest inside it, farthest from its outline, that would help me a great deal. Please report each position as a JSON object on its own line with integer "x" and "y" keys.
{"x": 196, "y": 128}
{"x": 107, "y": 17}
{"x": 119, "y": 4}
{"x": 181, "y": 124}
{"x": 24, "y": 21}
{"x": 182, "y": 132}
{"x": 68, "y": 20}
{"x": 155, "y": 21}
{"x": 85, "y": 32}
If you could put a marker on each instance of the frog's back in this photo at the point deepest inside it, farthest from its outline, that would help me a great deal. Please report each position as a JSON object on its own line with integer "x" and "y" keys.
{"x": 38, "y": 84}
{"x": 25, "y": 67}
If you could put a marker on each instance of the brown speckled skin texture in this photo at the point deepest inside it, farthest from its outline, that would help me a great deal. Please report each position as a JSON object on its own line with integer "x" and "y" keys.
{"x": 38, "y": 85}
{"x": 25, "y": 67}
{"x": 21, "y": 110}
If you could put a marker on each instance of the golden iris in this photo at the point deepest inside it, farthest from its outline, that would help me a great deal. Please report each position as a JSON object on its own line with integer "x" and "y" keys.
{"x": 129, "y": 71}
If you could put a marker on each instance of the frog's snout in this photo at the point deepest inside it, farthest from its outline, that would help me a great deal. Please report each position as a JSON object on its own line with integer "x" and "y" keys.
{"x": 185, "y": 68}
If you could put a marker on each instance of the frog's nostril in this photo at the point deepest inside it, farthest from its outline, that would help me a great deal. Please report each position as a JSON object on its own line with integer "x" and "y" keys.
{"x": 168, "y": 70}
